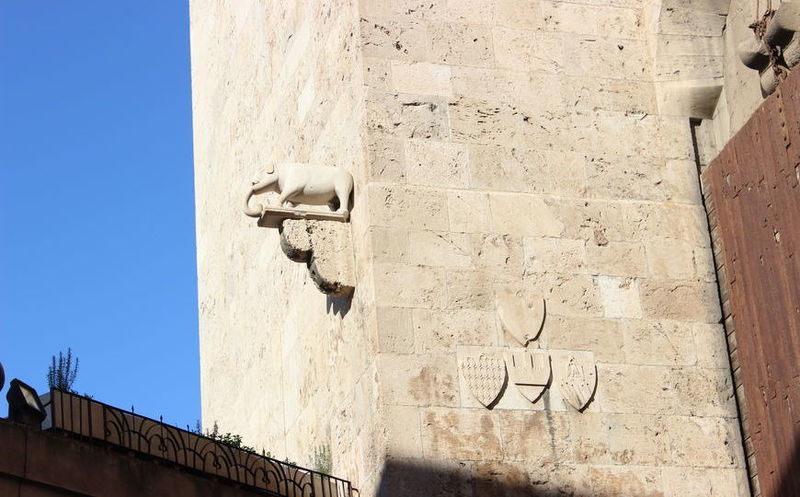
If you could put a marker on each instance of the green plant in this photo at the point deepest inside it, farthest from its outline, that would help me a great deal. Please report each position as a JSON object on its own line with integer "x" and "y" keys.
{"x": 322, "y": 460}
{"x": 230, "y": 439}
{"x": 63, "y": 372}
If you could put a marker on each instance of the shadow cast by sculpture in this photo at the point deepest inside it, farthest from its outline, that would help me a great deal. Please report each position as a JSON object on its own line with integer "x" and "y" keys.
{"x": 339, "y": 306}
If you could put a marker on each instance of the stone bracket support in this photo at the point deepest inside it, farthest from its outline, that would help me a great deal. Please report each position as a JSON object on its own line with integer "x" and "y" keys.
{"x": 326, "y": 247}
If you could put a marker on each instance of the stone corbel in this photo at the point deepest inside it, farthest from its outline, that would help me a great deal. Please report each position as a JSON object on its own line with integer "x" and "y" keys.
{"x": 322, "y": 240}
{"x": 774, "y": 48}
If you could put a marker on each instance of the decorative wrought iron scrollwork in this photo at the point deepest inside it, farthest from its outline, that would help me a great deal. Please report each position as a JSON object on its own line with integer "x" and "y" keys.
{"x": 87, "y": 418}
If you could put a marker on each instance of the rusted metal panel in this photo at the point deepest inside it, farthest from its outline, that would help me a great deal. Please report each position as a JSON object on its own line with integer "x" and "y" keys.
{"x": 753, "y": 187}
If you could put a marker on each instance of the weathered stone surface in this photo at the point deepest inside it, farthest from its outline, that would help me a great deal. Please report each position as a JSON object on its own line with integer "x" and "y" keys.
{"x": 541, "y": 146}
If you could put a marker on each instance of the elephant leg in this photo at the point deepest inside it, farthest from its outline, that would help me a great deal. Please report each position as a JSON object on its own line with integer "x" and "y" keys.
{"x": 343, "y": 190}
{"x": 286, "y": 197}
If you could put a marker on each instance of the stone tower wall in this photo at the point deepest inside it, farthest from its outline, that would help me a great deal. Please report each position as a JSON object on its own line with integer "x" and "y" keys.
{"x": 542, "y": 147}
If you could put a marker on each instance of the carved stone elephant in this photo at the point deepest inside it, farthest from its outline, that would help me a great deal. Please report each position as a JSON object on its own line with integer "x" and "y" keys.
{"x": 304, "y": 184}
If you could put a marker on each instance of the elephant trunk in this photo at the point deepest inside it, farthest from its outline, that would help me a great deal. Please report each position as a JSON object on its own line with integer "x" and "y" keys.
{"x": 258, "y": 187}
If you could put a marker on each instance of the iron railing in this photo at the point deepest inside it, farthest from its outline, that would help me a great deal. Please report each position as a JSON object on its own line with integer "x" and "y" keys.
{"x": 87, "y": 418}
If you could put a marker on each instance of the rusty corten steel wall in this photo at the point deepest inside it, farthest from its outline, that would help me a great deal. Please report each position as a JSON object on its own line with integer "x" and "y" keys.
{"x": 753, "y": 200}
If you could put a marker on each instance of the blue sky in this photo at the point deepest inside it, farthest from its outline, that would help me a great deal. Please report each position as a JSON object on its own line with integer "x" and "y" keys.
{"x": 97, "y": 248}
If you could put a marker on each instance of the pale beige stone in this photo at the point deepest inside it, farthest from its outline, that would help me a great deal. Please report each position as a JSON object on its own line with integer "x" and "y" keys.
{"x": 389, "y": 245}
{"x": 386, "y": 159}
{"x": 408, "y": 207}
{"x": 659, "y": 342}
{"x": 525, "y": 215}
{"x": 616, "y": 259}
{"x": 600, "y": 336}
{"x": 673, "y": 259}
{"x": 524, "y": 14}
{"x": 702, "y": 482}
{"x": 446, "y": 329}
{"x": 526, "y": 436}
{"x": 478, "y": 434}
{"x": 620, "y": 297}
{"x": 680, "y": 299}
{"x": 461, "y": 44}
{"x": 527, "y": 50}
{"x": 407, "y": 285}
{"x": 468, "y": 211}
{"x": 395, "y": 331}
{"x": 694, "y": 441}
{"x": 404, "y": 437}
{"x": 419, "y": 380}
{"x": 421, "y": 77}
{"x": 497, "y": 252}
{"x": 434, "y": 248}
{"x": 436, "y": 163}
{"x": 559, "y": 255}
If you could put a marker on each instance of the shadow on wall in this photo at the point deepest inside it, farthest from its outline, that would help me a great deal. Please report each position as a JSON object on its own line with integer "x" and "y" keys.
{"x": 338, "y": 305}
{"x": 790, "y": 474}
{"x": 402, "y": 478}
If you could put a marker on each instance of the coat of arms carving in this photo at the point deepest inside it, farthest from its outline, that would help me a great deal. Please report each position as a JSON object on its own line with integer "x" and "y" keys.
{"x": 485, "y": 376}
{"x": 521, "y": 319}
{"x": 530, "y": 371}
{"x": 578, "y": 380}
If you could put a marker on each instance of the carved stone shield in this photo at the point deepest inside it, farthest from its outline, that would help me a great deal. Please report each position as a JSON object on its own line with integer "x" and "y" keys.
{"x": 485, "y": 375}
{"x": 577, "y": 380}
{"x": 521, "y": 319}
{"x": 530, "y": 371}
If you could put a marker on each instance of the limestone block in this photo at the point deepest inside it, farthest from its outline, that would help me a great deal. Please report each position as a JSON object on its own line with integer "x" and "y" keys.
{"x": 421, "y": 78}
{"x": 702, "y": 482}
{"x": 526, "y": 435}
{"x": 620, "y": 480}
{"x": 436, "y": 163}
{"x": 405, "y": 285}
{"x": 469, "y": 290}
{"x": 506, "y": 85}
{"x": 461, "y": 44}
{"x": 616, "y": 259}
{"x": 620, "y": 297}
{"x": 566, "y": 294}
{"x": 440, "y": 248}
{"x": 711, "y": 346}
{"x": 440, "y": 330}
{"x": 406, "y": 207}
{"x": 377, "y": 73}
{"x": 609, "y": 94}
{"x": 695, "y": 441}
{"x": 682, "y": 20}
{"x": 389, "y": 244}
{"x": 540, "y": 219}
{"x": 465, "y": 434}
{"x": 482, "y": 121}
{"x": 404, "y": 437}
{"x": 394, "y": 39}
{"x": 705, "y": 392}
{"x": 496, "y": 167}
{"x": 497, "y": 252}
{"x": 680, "y": 299}
{"x": 670, "y": 260}
{"x": 637, "y": 439}
{"x": 589, "y": 56}
{"x": 395, "y": 330}
{"x": 559, "y": 255}
{"x": 467, "y": 211}
{"x": 526, "y": 50}
{"x": 681, "y": 181}
{"x": 522, "y": 14}
{"x": 419, "y": 380}
{"x": 638, "y": 389}
{"x": 406, "y": 115}
{"x": 569, "y": 17}
{"x": 599, "y": 336}
{"x": 386, "y": 159}
{"x": 659, "y": 342}
{"x": 470, "y": 11}
{"x": 327, "y": 249}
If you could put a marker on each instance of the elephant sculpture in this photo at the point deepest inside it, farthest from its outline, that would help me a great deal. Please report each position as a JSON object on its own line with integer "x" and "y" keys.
{"x": 304, "y": 184}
